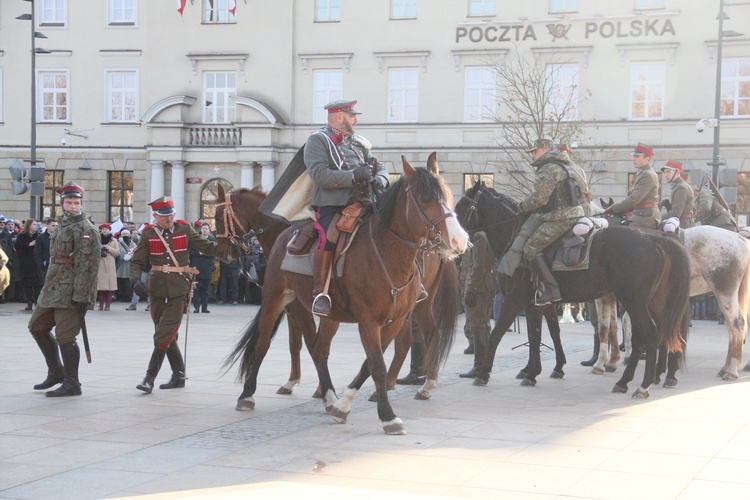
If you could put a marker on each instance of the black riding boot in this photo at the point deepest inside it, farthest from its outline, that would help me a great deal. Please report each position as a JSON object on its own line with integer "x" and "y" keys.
{"x": 551, "y": 291}
{"x": 71, "y": 355}
{"x": 55, "y": 371}
{"x": 154, "y": 365}
{"x": 595, "y": 356}
{"x": 416, "y": 374}
{"x": 178, "y": 368}
{"x": 480, "y": 349}
{"x": 321, "y": 305}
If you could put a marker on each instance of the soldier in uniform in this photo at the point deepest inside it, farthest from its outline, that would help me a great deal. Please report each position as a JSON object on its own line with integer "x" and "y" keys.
{"x": 69, "y": 291}
{"x": 681, "y": 196}
{"x": 559, "y": 188}
{"x": 643, "y": 201}
{"x": 166, "y": 246}
{"x": 709, "y": 212}
{"x": 340, "y": 166}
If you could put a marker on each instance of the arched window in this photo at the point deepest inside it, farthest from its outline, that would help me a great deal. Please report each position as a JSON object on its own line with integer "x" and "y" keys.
{"x": 209, "y": 198}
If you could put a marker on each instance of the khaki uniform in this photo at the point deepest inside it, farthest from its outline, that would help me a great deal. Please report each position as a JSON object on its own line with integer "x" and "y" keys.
{"x": 681, "y": 198}
{"x": 708, "y": 211}
{"x": 480, "y": 281}
{"x": 643, "y": 201}
{"x": 167, "y": 290}
{"x": 71, "y": 279}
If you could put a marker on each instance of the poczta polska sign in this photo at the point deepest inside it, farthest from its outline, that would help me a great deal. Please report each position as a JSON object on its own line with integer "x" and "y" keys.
{"x": 635, "y": 28}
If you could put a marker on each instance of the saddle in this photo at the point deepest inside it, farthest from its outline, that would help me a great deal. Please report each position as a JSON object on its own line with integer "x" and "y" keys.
{"x": 572, "y": 251}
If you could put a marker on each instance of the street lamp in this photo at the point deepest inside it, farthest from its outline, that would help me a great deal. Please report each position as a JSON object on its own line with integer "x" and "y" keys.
{"x": 716, "y": 159}
{"x": 36, "y": 174}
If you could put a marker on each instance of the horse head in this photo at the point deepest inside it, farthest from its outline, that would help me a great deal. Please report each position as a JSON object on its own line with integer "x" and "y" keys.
{"x": 238, "y": 219}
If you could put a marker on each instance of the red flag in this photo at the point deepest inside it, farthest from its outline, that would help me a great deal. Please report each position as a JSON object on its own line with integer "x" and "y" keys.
{"x": 233, "y": 7}
{"x": 181, "y": 5}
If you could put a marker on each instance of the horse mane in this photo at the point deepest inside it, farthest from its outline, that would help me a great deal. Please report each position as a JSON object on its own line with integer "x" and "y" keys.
{"x": 425, "y": 183}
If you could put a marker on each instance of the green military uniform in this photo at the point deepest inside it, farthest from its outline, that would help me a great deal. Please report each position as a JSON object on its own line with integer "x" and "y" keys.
{"x": 69, "y": 290}
{"x": 643, "y": 201}
{"x": 682, "y": 199}
{"x": 709, "y": 212}
{"x": 169, "y": 283}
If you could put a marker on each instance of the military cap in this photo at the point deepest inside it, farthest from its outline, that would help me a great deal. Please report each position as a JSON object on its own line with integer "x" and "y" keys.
{"x": 70, "y": 189}
{"x": 197, "y": 223}
{"x": 538, "y": 144}
{"x": 564, "y": 148}
{"x": 342, "y": 106}
{"x": 672, "y": 165}
{"x": 162, "y": 206}
{"x": 643, "y": 149}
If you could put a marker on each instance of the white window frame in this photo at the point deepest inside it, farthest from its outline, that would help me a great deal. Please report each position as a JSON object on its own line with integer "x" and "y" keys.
{"x": 40, "y": 90}
{"x": 482, "y": 8}
{"x": 221, "y": 8}
{"x": 480, "y": 94}
{"x": 563, "y": 5}
{"x": 326, "y": 89}
{"x": 221, "y": 98}
{"x": 731, "y": 84}
{"x": 403, "y": 96}
{"x": 110, "y": 90}
{"x": 563, "y": 79}
{"x": 403, "y": 9}
{"x": 650, "y": 86}
{"x": 327, "y": 11}
{"x": 649, "y": 5}
{"x": 52, "y": 13}
{"x": 118, "y": 8}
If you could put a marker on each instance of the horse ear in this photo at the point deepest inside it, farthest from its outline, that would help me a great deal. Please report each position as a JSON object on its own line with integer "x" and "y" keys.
{"x": 409, "y": 171}
{"x": 220, "y": 191}
{"x": 432, "y": 162}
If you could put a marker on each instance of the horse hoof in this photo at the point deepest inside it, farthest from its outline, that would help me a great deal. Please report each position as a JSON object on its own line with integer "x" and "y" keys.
{"x": 729, "y": 377}
{"x": 422, "y": 396}
{"x": 619, "y": 389}
{"x": 317, "y": 394}
{"x": 557, "y": 374}
{"x": 640, "y": 393}
{"x": 597, "y": 371}
{"x": 670, "y": 382}
{"x": 527, "y": 382}
{"x": 610, "y": 368}
{"x": 521, "y": 375}
{"x": 373, "y": 397}
{"x": 245, "y": 404}
{"x": 480, "y": 382}
{"x": 394, "y": 427}
{"x": 747, "y": 368}
{"x": 284, "y": 390}
{"x": 721, "y": 373}
{"x": 337, "y": 415}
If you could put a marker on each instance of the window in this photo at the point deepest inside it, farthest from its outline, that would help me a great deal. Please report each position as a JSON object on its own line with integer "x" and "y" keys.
{"x": 53, "y": 12}
{"x": 217, "y": 11}
{"x": 402, "y": 95}
{"x": 481, "y": 7}
{"x": 563, "y": 96}
{"x": 209, "y": 199}
{"x": 122, "y": 12}
{"x": 403, "y": 9}
{"x": 53, "y": 96}
{"x": 122, "y": 96}
{"x": 647, "y": 90}
{"x": 649, "y": 4}
{"x": 480, "y": 88}
{"x": 219, "y": 90}
{"x": 326, "y": 88}
{"x": 53, "y": 180}
{"x": 120, "y": 195}
{"x": 471, "y": 179}
{"x": 327, "y": 10}
{"x": 563, "y": 5}
{"x": 735, "y": 87}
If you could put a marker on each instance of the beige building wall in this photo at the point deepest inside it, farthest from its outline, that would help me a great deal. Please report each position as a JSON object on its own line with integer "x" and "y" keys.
{"x": 275, "y": 46}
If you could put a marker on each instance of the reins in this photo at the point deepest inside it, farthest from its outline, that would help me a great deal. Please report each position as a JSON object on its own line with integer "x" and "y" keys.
{"x": 241, "y": 241}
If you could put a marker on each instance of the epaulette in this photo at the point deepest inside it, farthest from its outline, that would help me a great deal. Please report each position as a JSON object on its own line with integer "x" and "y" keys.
{"x": 182, "y": 222}
{"x": 148, "y": 226}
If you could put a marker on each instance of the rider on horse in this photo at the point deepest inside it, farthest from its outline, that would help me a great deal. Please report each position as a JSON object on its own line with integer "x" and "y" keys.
{"x": 681, "y": 195}
{"x": 643, "y": 201}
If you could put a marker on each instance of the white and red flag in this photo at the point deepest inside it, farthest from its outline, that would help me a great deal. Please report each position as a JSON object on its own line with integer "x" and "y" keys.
{"x": 233, "y": 7}
{"x": 181, "y": 5}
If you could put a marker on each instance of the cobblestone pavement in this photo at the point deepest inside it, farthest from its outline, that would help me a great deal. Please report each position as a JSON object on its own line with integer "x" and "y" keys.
{"x": 569, "y": 438}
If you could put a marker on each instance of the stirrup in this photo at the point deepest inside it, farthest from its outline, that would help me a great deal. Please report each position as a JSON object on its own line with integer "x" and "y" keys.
{"x": 422, "y": 295}
{"x": 321, "y": 305}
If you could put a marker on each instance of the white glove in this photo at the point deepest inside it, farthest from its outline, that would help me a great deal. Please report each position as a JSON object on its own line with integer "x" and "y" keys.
{"x": 127, "y": 257}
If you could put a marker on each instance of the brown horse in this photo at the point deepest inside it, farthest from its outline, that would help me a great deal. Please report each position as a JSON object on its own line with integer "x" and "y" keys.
{"x": 238, "y": 218}
{"x": 414, "y": 214}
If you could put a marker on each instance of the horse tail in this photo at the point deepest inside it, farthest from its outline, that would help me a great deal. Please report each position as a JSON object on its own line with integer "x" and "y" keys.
{"x": 743, "y": 294}
{"x": 674, "y": 285}
{"x": 445, "y": 310}
{"x": 244, "y": 351}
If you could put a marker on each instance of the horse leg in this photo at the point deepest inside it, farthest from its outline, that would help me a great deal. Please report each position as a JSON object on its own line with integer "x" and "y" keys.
{"x": 644, "y": 330}
{"x": 512, "y": 305}
{"x": 295, "y": 347}
{"x": 661, "y": 364}
{"x": 736, "y": 327}
{"x": 608, "y": 340}
{"x": 321, "y": 348}
{"x": 673, "y": 364}
{"x": 534, "y": 335}
{"x": 426, "y": 322}
{"x": 550, "y": 314}
{"x": 627, "y": 335}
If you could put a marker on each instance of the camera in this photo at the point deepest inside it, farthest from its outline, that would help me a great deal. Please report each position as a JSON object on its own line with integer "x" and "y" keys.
{"x": 104, "y": 252}
{"x": 700, "y": 126}
{"x": 705, "y": 123}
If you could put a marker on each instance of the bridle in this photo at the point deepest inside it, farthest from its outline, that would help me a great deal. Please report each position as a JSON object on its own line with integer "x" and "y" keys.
{"x": 231, "y": 222}
{"x": 473, "y": 214}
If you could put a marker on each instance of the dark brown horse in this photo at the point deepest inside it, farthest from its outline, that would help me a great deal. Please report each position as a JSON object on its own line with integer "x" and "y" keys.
{"x": 414, "y": 214}
{"x": 648, "y": 273}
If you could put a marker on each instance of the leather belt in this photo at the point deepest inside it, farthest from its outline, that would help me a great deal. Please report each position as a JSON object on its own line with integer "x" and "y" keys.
{"x": 174, "y": 269}
{"x": 63, "y": 260}
{"x": 642, "y": 206}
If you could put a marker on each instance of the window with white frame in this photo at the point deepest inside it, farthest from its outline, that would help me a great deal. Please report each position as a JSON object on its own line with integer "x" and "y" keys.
{"x": 327, "y": 87}
{"x": 53, "y": 12}
{"x": 480, "y": 90}
{"x": 53, "y": 96}
{"x": 649, "y": 4}
{"x": 735, "y": 87}
{"x": 219, "y": 90}
{"x": 122, "y": 95}
{"x": 403, "y": 94}
{"x": 122, "y": 12}
{"x": 481, "y": 7}
{"x": 403, "y": 9}
{"x": 327, "y": 10}
{"x": 647, "y": 90}
{"x": 219, "y": 11}
{"x": 563, "y": 92}
{"x": 563, "y": 5}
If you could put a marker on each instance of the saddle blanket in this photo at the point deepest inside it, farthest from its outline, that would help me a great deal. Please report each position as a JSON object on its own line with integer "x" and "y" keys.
{"x": 303, "y": 264}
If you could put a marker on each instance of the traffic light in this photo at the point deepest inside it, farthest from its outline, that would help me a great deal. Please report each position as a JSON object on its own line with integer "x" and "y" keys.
{"x": 728, "y": 185}
{"x": 18, "y": 176}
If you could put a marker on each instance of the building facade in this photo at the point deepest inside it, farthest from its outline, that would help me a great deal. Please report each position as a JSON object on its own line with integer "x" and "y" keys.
{"x": 137, "y": 100}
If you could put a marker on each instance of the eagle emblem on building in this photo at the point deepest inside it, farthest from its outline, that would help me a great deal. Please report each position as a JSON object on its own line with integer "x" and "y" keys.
{"x": 558, "y": 31}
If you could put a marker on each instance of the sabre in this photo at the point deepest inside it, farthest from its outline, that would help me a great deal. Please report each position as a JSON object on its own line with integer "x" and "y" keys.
{"x": 188, "y": 300}
{"x": 85, "y": 335}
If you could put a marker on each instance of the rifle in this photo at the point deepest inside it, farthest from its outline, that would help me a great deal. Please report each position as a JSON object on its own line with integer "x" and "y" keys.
{"x": 718, "y": 195}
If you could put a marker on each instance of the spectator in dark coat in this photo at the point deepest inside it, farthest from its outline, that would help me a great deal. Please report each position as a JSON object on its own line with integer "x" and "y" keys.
{"x": 6, "y": 244}
{"x": 41, "y": 249}
{"x": 29, "y": 274}
{"x": 204, "y": 264}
